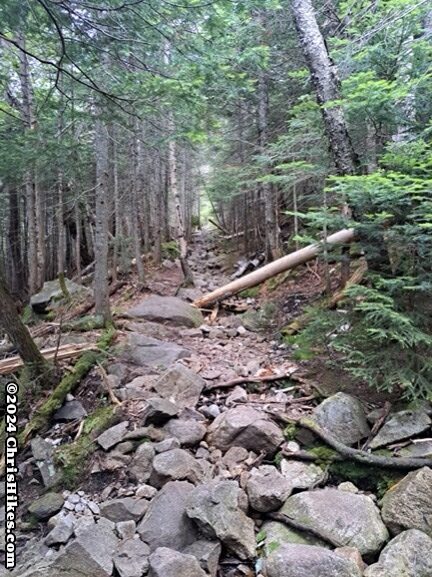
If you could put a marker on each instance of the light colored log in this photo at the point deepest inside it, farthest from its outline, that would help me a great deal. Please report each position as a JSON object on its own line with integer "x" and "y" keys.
{"x": 12, "y": 364}
{"x": 274, "y": 268}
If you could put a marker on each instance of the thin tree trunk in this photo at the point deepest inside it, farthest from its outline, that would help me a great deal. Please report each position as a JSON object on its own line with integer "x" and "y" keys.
{"x": 101, "y": 290}
{"x": 175, "y": 196}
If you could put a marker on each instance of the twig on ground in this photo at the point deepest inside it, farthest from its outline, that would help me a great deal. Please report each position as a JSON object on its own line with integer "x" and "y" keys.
{"x": 238, "y": 381}
{"x": 107, "y": 385}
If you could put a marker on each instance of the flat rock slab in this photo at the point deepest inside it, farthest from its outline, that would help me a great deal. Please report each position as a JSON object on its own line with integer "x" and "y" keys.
{"x": 168, "y": 563}
{"x": 309, "y": 561}
{"x": 344, "y": 519}
{"x": 181, "y": 386}
{"x": 145, "y": 351}
{"x": 276, "y": 534}
{"x": 401, "y": 426}
{"x": 302, "y": 475}
{"x": 343, "y": 417}
{"x": 407, "y": 555}
{"x": 167, "y": 309}
{"x": 166, "y": 523}
{"x": 408, "y": 505}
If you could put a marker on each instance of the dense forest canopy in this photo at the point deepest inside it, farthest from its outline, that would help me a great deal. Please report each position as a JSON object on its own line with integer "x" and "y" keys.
{"x": 125, "y": 124}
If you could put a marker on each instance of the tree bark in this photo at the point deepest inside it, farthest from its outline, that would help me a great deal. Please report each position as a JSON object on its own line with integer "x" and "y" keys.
{"x": 11, "y": 323}
{"x": 326, "y": 84}
{"x": 270, "y": 270}
{"x": 101, "y": 290}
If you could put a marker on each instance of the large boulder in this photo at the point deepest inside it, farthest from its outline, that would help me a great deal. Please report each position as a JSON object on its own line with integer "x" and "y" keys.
{"x": 343, "y": 417}
{"x": 176, "y": 465}
{"x": 168, "y": 563}
{"x": 167, "y": 309}
{"x": 309, "y": 561}
{"x": 181, "y": 386}
{"x": 245, "y": 427}
{"x": 267, "y": 489}
{"x": 408, "y": 505}
{"x": 401, "y": 426}
{"x": 166, "y": 523}
{"x": 132, "y": 558}
{"x": 51, "y": 293}
{"x": 342, "y": 518}
{"x": 218, "y": 508}
{"x": 408, "y": 555}
{"x": 145, "y": 351}
{"x": 207, "y": 553}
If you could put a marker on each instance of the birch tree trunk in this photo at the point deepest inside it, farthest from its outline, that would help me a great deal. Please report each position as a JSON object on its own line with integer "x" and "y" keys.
{"x": 174, "y": 194}
{"x": 101, "y": 289}
{"x": 326, "y": 84}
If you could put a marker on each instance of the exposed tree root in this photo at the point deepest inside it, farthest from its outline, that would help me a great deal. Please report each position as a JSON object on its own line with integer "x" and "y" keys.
{"x": 293, "y": 524}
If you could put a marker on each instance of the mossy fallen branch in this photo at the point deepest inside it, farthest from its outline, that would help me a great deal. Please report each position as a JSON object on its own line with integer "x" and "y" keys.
{"x": 74, "y": 457}
{"x": 67, "y": 385}
{"x": 409, "y": 463}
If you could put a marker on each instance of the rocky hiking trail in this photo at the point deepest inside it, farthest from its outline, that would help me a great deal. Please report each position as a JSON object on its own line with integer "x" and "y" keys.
{"x": 199, "y": 448}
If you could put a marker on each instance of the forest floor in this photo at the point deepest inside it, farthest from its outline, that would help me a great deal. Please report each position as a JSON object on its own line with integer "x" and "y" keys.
{"x": 229, "y": 358}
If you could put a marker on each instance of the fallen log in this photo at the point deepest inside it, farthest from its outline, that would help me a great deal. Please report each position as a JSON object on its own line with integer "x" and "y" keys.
{"x": 274, "y": 268}
{"x": 12, "y": 364}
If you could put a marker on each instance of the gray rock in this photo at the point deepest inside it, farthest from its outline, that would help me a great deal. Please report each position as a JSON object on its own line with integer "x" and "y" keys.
{"x": 132, "y": 558}
{"x": 302, "y": 475}
{"x": 407, "y": 555}
{"x": 235, "y": 457}
{"x": 218, "y": 509}
{"x": 176, "y": 465}
{"x": 167, "y": 445}
{"x": 167, "y": 309}
{"x": 245, "y": 427}
{"x": 71, "y": 411}
{"x": 207, "y": 553}
{"x": 187, "y": 431}
{"x": 62, "y": 532}
{"x": 276, "y": 534}
{"x": 43, "y": 452}
{"x": 168, "y": 563}
{"x": 145, "y": 492}
{"x": 90, "y": 553}
{"x": 400, "y": 426}
{"x": 141, "y": 466}
{"x": 112, "y": 436}
{"x": 267, "y": 489}
{"x": 342, "y": 518}
{"x": 126, "y": 509}
{"x": 46, "y": 506}
{"x": 238, "y": 395}
{"x": 343, "y": 417}
{"x": 146, "y": 351}
{"x": 408, "y": 505}
{"x": 159, "y": 411}
{"x": 126, "y": 529}
{"x": 181, "y": 386}
{"x": 51, "y": 292}
{"x": 308, "y": 561}
{"x": 166, "y": 523}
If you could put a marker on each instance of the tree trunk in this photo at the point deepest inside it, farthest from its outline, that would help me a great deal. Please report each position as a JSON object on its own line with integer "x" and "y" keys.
{"x": 11, "y": 323}
{"x": 101, "y": 291}
{"x": 278, "y": 266}
{"x": 175, "y": 196}
{"x": 326, "y": 84}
